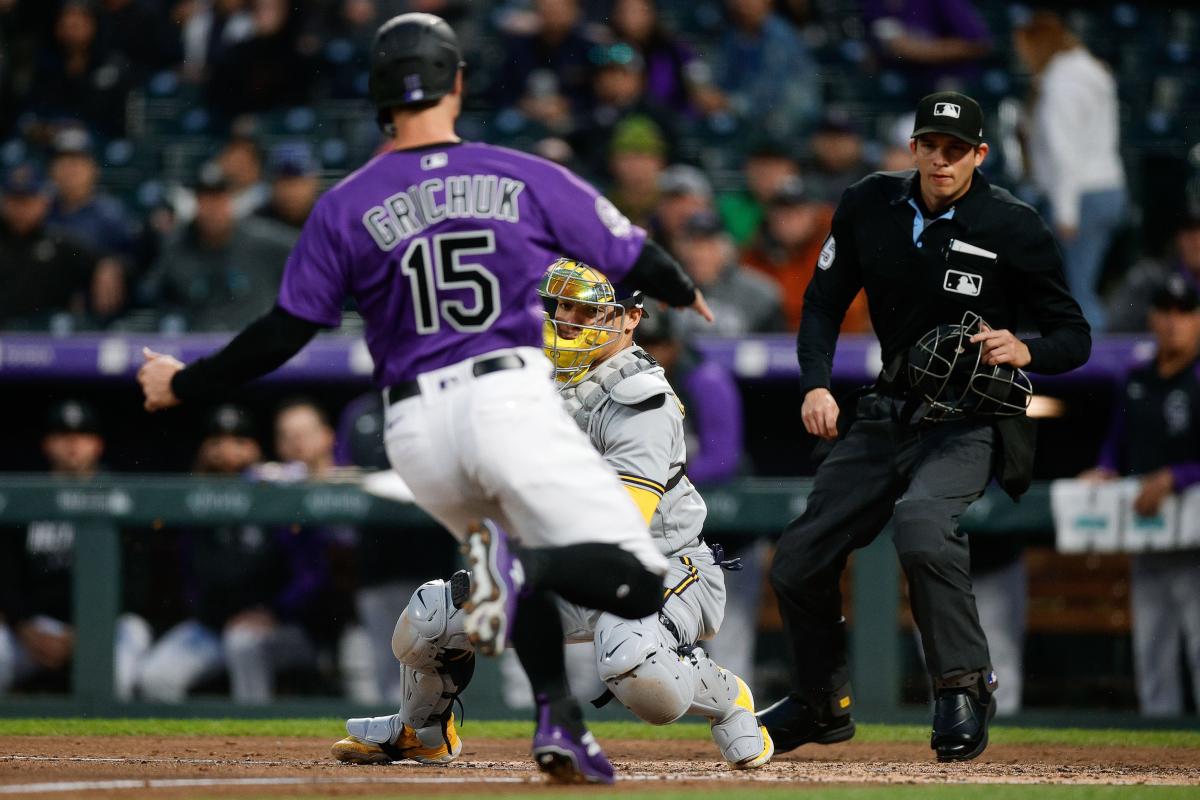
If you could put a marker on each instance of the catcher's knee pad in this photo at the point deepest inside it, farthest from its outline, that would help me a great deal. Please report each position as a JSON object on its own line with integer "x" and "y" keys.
{"x": 437, "y": 657}
{"x": 642, "y": 670}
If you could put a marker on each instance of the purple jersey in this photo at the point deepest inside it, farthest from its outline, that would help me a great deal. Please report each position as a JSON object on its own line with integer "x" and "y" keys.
{"x": 442, "y": 248}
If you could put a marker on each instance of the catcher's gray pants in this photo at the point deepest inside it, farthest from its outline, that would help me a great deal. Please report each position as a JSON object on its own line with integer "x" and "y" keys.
{"x": 1166, "y": 617}
{"x": 922, "y": 478}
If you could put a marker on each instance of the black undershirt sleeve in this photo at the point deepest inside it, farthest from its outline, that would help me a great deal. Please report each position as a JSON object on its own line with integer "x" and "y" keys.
{"x": 265, "y": 345}
{"x": 659, "y": 275}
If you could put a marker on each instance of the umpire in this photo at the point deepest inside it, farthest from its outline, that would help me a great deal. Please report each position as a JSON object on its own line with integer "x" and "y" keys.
{"x": 928, "y": 245}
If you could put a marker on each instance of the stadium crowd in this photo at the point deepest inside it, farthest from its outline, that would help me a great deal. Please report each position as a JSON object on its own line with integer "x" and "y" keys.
{"x": 160, "y": 156}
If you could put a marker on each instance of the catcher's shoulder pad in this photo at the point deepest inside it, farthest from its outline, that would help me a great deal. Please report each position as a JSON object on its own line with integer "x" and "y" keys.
{"x": 640, "y": 387}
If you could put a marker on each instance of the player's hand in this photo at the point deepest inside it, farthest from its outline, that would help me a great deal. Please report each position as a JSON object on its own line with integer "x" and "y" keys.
{"x": 1002, "y": 347}
{"x": 820, "y": 413}
{"x": 50, "y": 649}
{"x": 1154, "y": 489}
{"x": 155, "y": 377}
{"x": 701, "y": 307}
{"x": 1097, "y": 475}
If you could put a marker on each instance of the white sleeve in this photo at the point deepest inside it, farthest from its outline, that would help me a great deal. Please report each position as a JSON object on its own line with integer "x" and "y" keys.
{"x": 1061, "y": 109}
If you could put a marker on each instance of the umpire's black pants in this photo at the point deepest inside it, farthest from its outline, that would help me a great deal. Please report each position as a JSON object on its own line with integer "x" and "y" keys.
{"x": 923, "y": 477}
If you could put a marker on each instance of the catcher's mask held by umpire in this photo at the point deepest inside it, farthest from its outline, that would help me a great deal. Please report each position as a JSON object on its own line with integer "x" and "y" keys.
{"x": 947, "y": 372}
{"x": 415, "y": 59}
{"x": 584, "y": 317}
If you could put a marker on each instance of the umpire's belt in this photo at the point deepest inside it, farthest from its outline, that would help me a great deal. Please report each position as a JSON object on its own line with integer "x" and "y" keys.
{"x": 411, "y": 388}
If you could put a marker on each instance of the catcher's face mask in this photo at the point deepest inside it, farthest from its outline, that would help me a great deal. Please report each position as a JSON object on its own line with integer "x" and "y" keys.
{"x": 947, "y": 371}
{"x": 584, "y": 319}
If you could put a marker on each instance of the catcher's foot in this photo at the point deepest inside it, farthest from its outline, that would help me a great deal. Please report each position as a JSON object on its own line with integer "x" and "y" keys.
{"x": 743, "y": 742}
{"x": 382, "y": 740}
{"x": 496, "y": 580}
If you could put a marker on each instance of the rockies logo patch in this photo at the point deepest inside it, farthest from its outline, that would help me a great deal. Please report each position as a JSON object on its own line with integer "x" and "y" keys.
{"x": 963, "y": 283}
{"x": 828, "y": 253}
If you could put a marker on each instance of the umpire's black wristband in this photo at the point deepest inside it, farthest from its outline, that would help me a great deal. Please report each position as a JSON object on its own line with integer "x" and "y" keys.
{"x": 659, "y": 275}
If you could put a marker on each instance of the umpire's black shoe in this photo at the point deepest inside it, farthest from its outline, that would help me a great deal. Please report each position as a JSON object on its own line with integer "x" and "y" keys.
{"x": 960, "y": 722}
{"x": 794, "y": 721}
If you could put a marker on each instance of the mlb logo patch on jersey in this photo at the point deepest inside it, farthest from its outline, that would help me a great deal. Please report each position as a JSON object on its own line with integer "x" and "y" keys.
{"x": 962, "y": 283}
{"x": 947, "y": 110}
{"x": 828, "y": 253}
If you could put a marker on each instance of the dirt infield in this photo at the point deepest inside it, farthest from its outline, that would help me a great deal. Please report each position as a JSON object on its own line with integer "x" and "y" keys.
{"x": 151, "y": 767}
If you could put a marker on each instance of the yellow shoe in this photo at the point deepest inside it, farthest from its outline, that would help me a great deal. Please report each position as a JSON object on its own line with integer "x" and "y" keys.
{"x": 372, "y": 741}
{"x": 743, "y": 742}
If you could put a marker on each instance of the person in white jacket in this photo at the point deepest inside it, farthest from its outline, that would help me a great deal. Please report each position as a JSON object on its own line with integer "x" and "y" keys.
{"x": 1073, "y": 150}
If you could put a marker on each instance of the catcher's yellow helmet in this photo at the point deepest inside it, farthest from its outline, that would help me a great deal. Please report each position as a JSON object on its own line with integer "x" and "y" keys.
{"x": 598, "y": 321}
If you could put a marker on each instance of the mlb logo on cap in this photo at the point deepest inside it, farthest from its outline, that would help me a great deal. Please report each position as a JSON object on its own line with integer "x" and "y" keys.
{"x": 952, "y": 113}
{"x": 947, "y": 110}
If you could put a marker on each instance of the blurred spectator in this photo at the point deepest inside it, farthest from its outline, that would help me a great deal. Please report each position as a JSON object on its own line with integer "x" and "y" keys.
{"x": 838, "y": 157}
{"x": 268, "y": 70}
{"x": 37, "y": 638}
{"x": 769, "y": 79}
{"x": 303, "y": 435}
{"x": 1155, "y": 436}
{"x": 1130, "y": 303}
{"x": 388, "y": 568}
{"x": 92, "y": 217}
{"x": 42, "y": 272}
{"x": 294, "y": 185}
{"x": 210, "y": 29}
{"x": 618, "y": 92}
{"x": 241, "y": 160}
{"x": 251, "y": 590}
{"x": 218, "y": 273}
{"x": 636, "y": 158}
{"x": 683, "y": 192}
{"x": 742, "y": 300}
{"x": 75, "y": 79}
{"x": 769, "y": 163}
{"x": 670, "y": 67}
{"x": 787, "y": 247}
{"x": 558, "y": 45}
{"x": 936, "y": 44}
{"x": 1074, "y": 155}
{"x": 137, "y": 31}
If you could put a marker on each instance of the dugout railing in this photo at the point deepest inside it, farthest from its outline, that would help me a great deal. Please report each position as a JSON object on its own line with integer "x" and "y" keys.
{"x": 100, "y": 508}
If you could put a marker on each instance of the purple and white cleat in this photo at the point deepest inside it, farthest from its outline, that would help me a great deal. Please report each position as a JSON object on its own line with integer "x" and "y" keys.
{"x": 566, "y": 757}
{"x": 496, "y": 581}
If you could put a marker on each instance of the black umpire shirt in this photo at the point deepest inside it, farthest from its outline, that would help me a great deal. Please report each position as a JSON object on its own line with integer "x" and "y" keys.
{"x": 988, "y": 253}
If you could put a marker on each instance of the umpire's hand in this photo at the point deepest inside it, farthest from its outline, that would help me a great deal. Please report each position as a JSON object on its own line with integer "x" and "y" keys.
{"x": 820, "y": 413}
{"x": 1002, "y": 347}
{"x": 155, "y": 377}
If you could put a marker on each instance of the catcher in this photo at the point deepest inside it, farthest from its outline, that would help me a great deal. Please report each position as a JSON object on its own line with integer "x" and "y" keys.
{"x": 621, "y": 399}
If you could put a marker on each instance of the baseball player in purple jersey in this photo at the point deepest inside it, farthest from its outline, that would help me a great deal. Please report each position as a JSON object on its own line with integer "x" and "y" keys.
{"x": 441, "y": 243}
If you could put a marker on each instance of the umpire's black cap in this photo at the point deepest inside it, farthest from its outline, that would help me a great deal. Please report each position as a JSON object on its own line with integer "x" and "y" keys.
{"x": 950, "y": 112}
{"x": 72, "y": 416}
{"x": 414, "y": 59}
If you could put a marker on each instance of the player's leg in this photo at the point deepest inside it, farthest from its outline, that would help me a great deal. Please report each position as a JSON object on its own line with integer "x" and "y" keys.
{"x": 850, "y": 502}
{"x": 1000, "y": 596}
{"x": 654, "y": 667}
{"x": 437, "y": 662}
{"x": 1156, "y": 629}
{"x": 951, "y": 465}
{"x": 185, "y": 655}
{"x": 131, "y": 642}
{"x": 1185, "y": 584}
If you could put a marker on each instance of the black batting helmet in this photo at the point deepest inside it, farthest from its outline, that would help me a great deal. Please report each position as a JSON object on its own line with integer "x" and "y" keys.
{"x": 414, "y": 59}
{"x": 947, "y": 372}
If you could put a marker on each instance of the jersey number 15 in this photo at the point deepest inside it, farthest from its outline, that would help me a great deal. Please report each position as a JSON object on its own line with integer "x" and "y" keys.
{"x": 435, "y": 266}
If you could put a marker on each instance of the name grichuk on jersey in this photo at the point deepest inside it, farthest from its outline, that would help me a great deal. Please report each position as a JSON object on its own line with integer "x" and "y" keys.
{"x": 441, "y": 248}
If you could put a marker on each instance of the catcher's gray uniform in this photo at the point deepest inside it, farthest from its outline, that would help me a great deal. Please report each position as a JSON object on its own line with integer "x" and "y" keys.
{"x": 629, "y": 411}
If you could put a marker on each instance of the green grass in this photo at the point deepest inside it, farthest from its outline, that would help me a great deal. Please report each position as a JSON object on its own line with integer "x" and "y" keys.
{"x": 332, "y": 728}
